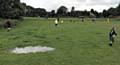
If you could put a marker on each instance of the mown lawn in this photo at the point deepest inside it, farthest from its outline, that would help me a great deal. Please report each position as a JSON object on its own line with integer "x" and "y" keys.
{"x": 75, "y": 42}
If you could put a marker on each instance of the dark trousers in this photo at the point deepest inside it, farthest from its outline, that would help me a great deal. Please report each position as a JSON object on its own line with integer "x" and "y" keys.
{"x": 112, "y": 39}
{"x": 56, "y": 24}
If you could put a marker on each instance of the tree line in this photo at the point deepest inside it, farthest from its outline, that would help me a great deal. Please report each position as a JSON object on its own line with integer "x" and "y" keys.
{"x": 14, "y": 9}
{"x": 112, "y": 12}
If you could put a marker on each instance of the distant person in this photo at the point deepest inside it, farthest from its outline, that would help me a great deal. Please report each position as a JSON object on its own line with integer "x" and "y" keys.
{"x": 8, "y": 25}
{"x": 93, "y": 19}
{"x": 93, "y": 16}
{"x": 58, "y": 19}
{"x": 82, "y": 19}
{"x": 108, "y": 20}
{"x": 112, "y": 35}
{"x": 56, "y": 22}
{"x": 62, "y": 21}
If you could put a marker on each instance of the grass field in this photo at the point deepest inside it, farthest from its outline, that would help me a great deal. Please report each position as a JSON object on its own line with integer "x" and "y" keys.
{"x": 75, "y": 42}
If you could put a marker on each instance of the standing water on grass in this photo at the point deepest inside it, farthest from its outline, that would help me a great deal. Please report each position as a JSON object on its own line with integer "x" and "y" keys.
{"x": 31, "y": 49}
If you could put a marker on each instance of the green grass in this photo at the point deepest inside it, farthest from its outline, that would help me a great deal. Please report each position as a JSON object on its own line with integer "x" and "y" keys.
{"x": 75, "y": 43}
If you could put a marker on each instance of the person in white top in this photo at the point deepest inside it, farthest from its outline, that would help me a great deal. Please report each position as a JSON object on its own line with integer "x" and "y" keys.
{"x": 56, "y": 22}
{"x": 62, "y": 21}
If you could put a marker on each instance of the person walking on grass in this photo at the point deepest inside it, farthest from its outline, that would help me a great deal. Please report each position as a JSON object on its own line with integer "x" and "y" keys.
{"x": 56, "y": 22}
{"x": 112, "y": 35}
{"x": 8, "y": 25}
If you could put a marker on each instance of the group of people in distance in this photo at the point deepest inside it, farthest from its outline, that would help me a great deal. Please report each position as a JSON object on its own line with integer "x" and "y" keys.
{"x": 57, "y": 21}
{"x": 112, "y": 33}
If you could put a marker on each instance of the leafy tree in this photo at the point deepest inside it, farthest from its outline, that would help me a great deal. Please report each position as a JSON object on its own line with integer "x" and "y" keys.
{"x": 73, "y": 9}
{"x": 118, "y": 10}
{"x": 39, "y": 12}
{"x": 52, "y": 13}
{"x": 72, "y": 13}
{"x": 10, "y": 8}
{"x": 62, "y": 11}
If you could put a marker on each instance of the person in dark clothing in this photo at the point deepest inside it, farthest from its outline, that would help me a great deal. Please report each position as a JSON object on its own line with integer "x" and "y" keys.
{"x": 8, "y": 25}
{"x": 82, "y": 19}
{"x": 112, "y": 35}
{"x": 58, "y": 19}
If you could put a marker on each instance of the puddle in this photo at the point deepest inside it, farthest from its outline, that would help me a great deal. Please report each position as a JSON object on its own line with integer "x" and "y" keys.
{"x": 32, "y": 49}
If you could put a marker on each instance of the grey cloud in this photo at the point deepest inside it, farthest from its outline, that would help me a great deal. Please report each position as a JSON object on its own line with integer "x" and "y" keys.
{"x": 79, "y": 4}
{"x": 103, "y": 2}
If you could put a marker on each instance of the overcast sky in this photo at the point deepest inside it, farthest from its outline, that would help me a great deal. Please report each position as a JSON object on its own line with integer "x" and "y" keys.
{"x": 49, "y": 5}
